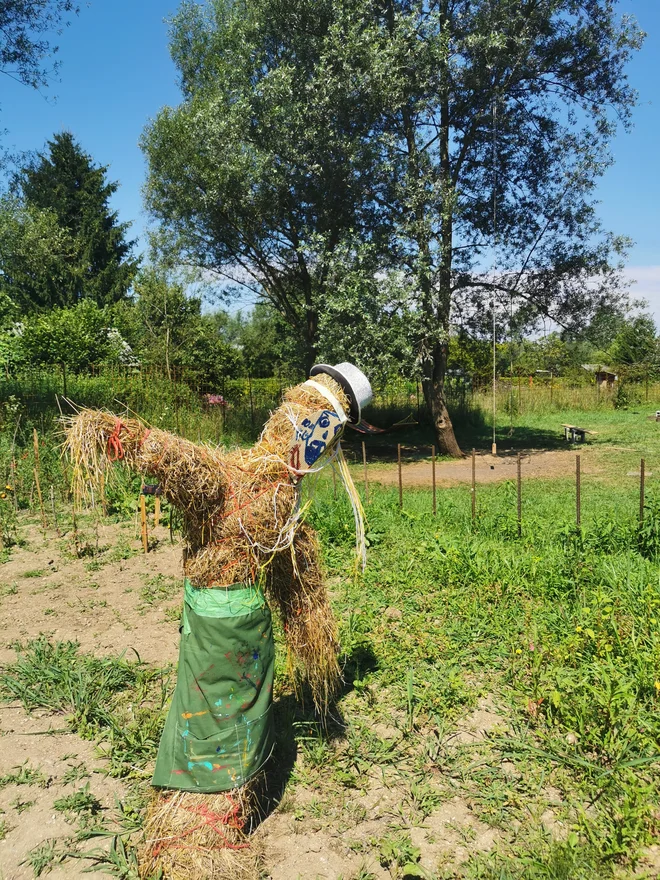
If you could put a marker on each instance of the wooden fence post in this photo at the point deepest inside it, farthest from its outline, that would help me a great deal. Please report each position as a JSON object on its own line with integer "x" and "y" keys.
{"x": 474, "y": 487}
{"x": 519, "y": 480}
{"x": 35, "y": 438}
{"x": 435, "y": 509}
{"x": 104, "y": 501}
{"x": 578, "y": 499}
{"x": 52, "y": 507}
{"x": 400, "y": 477}
{"x": 143, "y": 523}
{"x": 366, "y": 478}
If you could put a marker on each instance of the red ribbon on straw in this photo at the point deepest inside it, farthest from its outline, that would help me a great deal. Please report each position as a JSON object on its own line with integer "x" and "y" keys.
{"x": 115, "y": 449}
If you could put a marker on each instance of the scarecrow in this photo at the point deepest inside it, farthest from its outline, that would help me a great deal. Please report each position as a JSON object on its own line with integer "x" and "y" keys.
{"x": 246, "y": 547}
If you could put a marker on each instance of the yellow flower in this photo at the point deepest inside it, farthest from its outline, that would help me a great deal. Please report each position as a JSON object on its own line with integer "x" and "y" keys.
{"x": 9, "y": 488}
{"x": 657, "y": 685}
{"x": 578, "y": 629}
{"x": 518, "y": 651}
{"x": 2, "y": 495}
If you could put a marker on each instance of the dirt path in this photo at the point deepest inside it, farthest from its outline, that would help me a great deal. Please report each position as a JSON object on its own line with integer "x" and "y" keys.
{"x": 488, "y": 468}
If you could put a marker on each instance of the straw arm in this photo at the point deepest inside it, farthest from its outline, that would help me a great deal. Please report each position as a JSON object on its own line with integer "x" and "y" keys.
{"x": 188, "y": 473}
{"x": 295, "y": 585}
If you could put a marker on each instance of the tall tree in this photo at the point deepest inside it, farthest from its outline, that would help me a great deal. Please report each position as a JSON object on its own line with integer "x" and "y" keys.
{"x": 464, "y": 133}
{"x": 261, "y": 173}
{"x": 67, "y": 185}
{"x": 35, "y": 255}
{"x": 497, "y": 119}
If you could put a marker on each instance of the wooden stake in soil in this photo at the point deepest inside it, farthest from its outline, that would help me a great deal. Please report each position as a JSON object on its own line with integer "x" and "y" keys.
{"x": 578, "y": 500}
{"x": 400, "y": 477}
{"x": 519, "y": 498}
{"x": 53, "y": 511}
{"x": 435, "y": 509}
{"x": 156, "y": 511}
{"x": 143, "y": 522}
{"x": 642, "y": 468}
{"x": 14, "y": 484}
{"x": 104, "y": 503}
{"x": 35, "y": 438}
{"x": 474, "y": 487}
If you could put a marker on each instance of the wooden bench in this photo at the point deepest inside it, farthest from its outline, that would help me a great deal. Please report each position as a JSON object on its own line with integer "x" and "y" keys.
{"x": 573, "y": 434}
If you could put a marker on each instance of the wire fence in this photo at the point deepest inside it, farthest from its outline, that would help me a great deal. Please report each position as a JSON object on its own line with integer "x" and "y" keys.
{"x": 237, "y": 408}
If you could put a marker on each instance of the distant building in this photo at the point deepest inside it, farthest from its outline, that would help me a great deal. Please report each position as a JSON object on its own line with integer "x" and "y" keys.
{"x": 605, "y": 377}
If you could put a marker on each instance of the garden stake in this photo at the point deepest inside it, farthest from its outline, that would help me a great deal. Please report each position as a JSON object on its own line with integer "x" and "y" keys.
{"x": 519, "y": 499}
{"x": 435, "y": 510}
{"x": 641, "y": 492}
{"x": 400, "y": 477}
{"x": 41, "y": 500}
{"x": 74, "y": 522}
{"x": 35, "y": 438}
{"x": 104, "y": 503}
{"x": 578, "y": 503}
{"x": 52, "y": 507}
{"x": 14, "y": 484}
{"x": 474, "y": 487}
{"x": 143, "y": 521}
{"x": 366, "y": 478}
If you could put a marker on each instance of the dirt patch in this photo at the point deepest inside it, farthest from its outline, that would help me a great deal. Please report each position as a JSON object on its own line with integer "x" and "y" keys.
{"x": 123, "y": 601}
{"x": 64, "y": 764}
{"x": 488, "y": 468}
{"x": 107, "y": 604}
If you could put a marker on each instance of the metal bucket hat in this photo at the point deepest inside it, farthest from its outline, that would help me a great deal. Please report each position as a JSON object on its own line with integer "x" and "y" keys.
{"x": 353, "y": 381}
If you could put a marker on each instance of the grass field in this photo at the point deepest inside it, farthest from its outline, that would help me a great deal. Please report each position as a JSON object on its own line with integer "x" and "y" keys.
{"x": 500, "y": 713}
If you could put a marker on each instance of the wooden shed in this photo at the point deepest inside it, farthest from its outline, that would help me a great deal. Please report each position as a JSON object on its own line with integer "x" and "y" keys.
{"x": 605, "y": 376}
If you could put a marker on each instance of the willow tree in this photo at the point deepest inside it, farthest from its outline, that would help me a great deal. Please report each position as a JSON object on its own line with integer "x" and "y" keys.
{"x": 260, "y": 174}
{"x": 445, "y": 136}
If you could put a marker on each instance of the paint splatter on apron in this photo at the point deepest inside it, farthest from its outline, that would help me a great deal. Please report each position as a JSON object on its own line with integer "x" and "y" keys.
{"x": 218, "y": 731}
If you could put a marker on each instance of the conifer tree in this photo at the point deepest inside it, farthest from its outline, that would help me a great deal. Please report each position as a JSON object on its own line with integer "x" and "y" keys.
{"x": 65, "y": 183}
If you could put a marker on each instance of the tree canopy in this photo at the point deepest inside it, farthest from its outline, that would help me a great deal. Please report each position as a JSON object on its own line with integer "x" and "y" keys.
{"x": 25, "y": 29}
{"x": 260, "y": 174}
{"x": 440, "y": 138}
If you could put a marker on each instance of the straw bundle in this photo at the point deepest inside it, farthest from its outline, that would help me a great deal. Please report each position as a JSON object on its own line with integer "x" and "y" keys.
{"x": 189, "y": 835}
{"x": 242, "y": 515}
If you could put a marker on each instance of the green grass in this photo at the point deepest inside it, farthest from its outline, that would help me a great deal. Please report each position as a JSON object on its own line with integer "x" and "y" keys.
{"x": 24, "y": 775}
{"x": 111, "y": 700}
{"x": 560, "y": 629}
{"x": 81, "y": 805}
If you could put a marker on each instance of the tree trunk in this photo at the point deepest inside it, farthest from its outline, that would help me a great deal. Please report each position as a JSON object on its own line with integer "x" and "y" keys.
{"x": 435, "y": 362}
{"x": 433, "y": 385}
{"x": 311, "y": 338}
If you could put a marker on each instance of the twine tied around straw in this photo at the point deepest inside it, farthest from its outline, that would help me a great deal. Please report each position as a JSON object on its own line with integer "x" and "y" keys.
{"x": 115, "y": 450}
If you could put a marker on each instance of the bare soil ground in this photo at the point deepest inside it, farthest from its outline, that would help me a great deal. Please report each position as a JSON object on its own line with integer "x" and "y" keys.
{"x": 547, "y": 464}
{"x": 112, "y": 604}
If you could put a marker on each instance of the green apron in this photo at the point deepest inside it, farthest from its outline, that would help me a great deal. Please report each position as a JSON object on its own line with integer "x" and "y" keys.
{"x": 218, "y": 731}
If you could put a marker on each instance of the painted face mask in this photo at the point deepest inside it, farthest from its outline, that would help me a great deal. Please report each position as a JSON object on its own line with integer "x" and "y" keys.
{"x": 316, "y": 434}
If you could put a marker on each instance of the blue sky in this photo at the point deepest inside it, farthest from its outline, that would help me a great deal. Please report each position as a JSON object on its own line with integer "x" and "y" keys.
{"x": 116, "y": 74}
